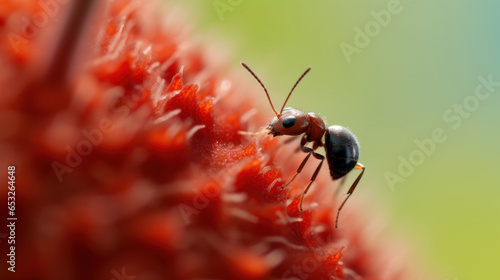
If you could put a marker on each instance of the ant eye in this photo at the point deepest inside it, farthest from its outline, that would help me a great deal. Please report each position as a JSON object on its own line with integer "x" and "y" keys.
{"x": 289, "y": 122}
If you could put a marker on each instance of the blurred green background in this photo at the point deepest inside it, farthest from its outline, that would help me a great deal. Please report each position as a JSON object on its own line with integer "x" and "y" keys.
{"x": 391, "y": 91}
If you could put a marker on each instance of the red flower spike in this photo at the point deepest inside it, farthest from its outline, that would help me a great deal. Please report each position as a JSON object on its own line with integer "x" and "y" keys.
{"x": 176, "y": 83}
{"x": 133, "y": 168}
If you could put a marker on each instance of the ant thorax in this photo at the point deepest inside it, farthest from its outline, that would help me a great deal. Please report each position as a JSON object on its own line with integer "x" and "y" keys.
{"x": 317, "y": 128}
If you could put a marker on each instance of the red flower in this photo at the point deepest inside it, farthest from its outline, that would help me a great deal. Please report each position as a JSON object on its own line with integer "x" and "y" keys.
{"x": 129, "y": 163}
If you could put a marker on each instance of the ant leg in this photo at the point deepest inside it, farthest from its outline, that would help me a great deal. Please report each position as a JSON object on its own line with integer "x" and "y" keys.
{"x": 351, "y": 190}
{"x": 322, "y": 158}
{"x": 342, "y": 182}
{"x": 300, "y": 168}
{"x": 305, "y": 150}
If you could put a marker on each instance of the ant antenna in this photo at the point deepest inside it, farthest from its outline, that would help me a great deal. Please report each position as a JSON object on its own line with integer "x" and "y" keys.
{"x": 296, "y": 83}
{"x": 258, "y": 80}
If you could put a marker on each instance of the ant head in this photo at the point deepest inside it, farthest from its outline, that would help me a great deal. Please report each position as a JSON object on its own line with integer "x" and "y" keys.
{"x": 290, "y": 122}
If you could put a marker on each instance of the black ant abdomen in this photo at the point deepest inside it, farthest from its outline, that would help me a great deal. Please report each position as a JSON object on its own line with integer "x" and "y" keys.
{"x": 342, "y": 151}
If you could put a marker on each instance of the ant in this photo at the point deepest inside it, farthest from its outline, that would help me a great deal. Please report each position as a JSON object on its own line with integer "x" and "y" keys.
{"x": 341, "y": 146}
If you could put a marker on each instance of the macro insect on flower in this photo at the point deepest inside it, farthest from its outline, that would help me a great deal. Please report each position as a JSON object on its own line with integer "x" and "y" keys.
{"x": 341, "y": 146}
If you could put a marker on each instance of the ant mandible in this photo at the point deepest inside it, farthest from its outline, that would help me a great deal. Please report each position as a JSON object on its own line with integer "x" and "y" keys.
{"x": 341, "y": 146}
